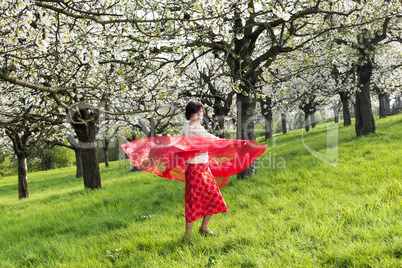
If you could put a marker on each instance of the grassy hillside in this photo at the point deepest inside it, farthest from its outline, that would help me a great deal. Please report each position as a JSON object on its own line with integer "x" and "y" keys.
{"x": 298, "y": 211}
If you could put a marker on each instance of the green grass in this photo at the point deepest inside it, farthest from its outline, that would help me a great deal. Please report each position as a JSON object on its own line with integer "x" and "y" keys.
{"x": 298, "y": 211}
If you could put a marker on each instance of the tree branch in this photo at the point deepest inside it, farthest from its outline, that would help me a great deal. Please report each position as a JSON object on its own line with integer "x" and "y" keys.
{"x": 383, "y": 35}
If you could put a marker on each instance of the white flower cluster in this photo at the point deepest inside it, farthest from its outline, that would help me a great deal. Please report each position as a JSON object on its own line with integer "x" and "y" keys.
{"x": 138, "y": 58}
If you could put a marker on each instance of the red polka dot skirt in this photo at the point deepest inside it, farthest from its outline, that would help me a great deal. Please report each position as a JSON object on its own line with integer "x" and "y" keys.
{"x": 202, "y": 196}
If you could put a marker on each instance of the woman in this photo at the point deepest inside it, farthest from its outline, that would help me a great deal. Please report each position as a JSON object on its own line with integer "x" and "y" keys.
{"x": 197, "y": 158}
{"x": 202, "y": 195}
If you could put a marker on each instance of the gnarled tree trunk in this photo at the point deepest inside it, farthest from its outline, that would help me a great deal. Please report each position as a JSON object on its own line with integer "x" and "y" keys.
{"x": 78, "y": 162}
{"x": 219, "y": 102}
{"x": 220, "y": 129}
{"x": 245, "y": 127}
{"x": 22, "y": 176}
{"x": 266, "y": 109}
{"x": 307, "y": 121}
{"x": 309, "y": 109}
{"x": 335, "y": 108}
{"x": 365, "y": 123}
{"x": 106, "y": 155}
{"x": 22, "y": 150}
{"x": 384, "y": 104}
{"x": 397, "y": 106}
{"x": 105, "y": 151}
{"x": 90, "y": 166}
{"x": 347, "y": 121}
{"x": 284, "y": 128}
{"x": 220, "y": 113}
{"x": 85, "y": 125}
{"x": 312, "y": 119}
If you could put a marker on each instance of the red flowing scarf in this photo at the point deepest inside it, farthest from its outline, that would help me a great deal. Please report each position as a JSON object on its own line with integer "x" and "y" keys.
{"x": 166, "y": 156}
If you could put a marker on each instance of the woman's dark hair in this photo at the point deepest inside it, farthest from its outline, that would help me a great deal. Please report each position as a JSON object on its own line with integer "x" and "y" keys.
{"x": 193, "y": 107}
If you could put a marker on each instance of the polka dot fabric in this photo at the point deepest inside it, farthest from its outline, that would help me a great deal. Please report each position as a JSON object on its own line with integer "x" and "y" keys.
{"x": 202, "y": 196}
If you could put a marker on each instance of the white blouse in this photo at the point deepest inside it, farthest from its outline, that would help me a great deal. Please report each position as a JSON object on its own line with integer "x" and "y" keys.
{"x": 196, "y": 130}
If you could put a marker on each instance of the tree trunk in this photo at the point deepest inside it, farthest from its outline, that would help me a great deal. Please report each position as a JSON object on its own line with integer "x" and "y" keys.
{"x": 384, "y": 104}
{"x": 365, "y": 123}
{"x": 220, "y": 104}
{"x": 307, "y": 121}
{"x": 268, "y": 127}
{"x": 48, "y": 162}
{"x": 381, "y": 99}
{"x": 309, "y": 109}
{"x": 90, "y": 165}
{"x": 105, "y": 152}
{"x": 335, "y": 108}
{"x": 22, "y": 150}
{"x": 151, "y": 128}
{"x": 397, "y": 106}
{"x": 347, "y": 121}
{"x": 85, "y": 125}
{"x": 387, "y": 104}
{"x": 312, "y": 117}
{"x": 266, "y": 109}
{"x": 284, "y": 128}
{"x": 221, "y": 124}
{"x": 220, "y": 114}
{"x": 22, "y": 177}
{"x": 245, "y": 128}
{"x": 78, "y": 163}
{"x": 219, "y": 121}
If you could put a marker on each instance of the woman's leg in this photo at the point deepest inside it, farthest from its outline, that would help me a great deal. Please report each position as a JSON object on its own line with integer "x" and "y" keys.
{"x": 187, "y": 199}
{"x": 189, "y": 228}
{"x": 204, "y": 224}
